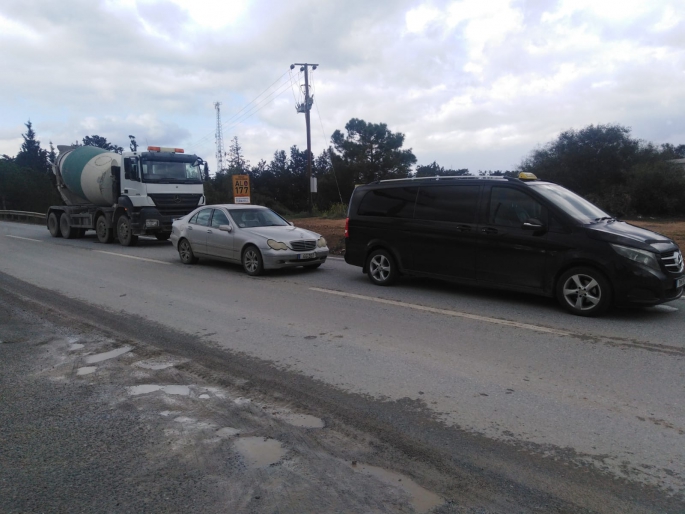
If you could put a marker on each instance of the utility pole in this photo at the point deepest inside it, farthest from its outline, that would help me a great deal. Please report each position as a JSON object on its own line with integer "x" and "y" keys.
{"x": 219, "y": 139}
{"x": 305, "y": 108}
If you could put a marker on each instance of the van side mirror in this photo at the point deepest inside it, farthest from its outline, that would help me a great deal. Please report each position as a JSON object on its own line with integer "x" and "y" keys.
{"x": 533, "y": 224}
{"x": 226, "y": 228}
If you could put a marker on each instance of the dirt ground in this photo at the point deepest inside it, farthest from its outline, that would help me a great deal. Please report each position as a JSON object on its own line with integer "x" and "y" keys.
{"x": 334, "y": 230}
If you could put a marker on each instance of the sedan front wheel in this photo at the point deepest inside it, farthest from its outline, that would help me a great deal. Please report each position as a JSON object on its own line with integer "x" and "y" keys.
{"x": 252, "y": 261}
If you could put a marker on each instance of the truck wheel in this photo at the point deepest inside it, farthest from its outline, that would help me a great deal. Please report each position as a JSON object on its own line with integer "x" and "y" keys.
{"x": 125, "y": 232}
{"x": 53, "y": 225}
{"x": 65, "y": 229}
{"x": 185, "y": 252}
{"x": 105, "y": 234}
{"x": 163, "y": 236}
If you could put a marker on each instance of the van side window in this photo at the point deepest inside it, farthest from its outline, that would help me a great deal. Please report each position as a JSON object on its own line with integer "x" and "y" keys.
{"x": 390, "y": 203}
{"x": 511, "y": 208}
{"x": 448, "y": 203}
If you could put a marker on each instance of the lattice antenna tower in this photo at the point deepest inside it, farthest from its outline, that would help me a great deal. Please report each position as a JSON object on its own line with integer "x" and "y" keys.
{"x": 220, "y": 153}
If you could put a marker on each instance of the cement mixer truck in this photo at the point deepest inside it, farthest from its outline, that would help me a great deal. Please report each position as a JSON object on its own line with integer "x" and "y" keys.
{"x": 123, "y": 196}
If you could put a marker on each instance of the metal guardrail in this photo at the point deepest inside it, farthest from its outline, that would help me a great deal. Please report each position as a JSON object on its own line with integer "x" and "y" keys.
{"x": 27, "y": 217}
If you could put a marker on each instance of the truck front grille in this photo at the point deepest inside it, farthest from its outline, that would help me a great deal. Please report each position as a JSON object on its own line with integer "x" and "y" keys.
{"x": 175, "y": 204}
{"x": 673, "y": 261}
{"x": 302, "y": 245}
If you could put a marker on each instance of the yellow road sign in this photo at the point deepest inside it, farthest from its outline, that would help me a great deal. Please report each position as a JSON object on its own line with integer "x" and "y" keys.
{"x": 241, "y": 189}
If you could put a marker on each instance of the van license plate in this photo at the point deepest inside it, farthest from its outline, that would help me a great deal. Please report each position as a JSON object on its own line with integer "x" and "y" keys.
{"x": 304, "y": 256}
{"x": 680, "y": 282}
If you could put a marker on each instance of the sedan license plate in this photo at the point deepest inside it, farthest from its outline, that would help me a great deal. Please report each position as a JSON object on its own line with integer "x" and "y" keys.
{"x": 680, "y": 282}
{"x": 304, "y": 256}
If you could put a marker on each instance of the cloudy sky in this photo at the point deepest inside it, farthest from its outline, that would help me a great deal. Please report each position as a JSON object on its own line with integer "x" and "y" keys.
{"x": 471, "y": 83}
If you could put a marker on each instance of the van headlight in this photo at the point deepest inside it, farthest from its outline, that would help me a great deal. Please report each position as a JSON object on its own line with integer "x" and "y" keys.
{"x": 321, "y": 242}
{"x": 640, "y": 256}
{"x": 276, "y": 245}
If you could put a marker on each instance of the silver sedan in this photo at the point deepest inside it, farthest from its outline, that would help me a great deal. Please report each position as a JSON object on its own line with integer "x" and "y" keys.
{"x": 251, "y": 235}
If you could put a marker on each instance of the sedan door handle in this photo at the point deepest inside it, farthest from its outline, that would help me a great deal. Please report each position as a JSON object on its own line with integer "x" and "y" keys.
{"x": 209, "y": 231}
{"x": 190, "y": 228}
{"x": 489, "y": 230}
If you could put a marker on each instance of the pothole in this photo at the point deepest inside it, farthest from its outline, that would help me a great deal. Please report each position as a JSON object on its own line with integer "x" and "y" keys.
{"x": 156, "y": 364}
{"x": 259, "y": 452}
{"x": 421, "y": 499}
{"x": 151, "y": 388}
{"x": 92, "y": 359}
{"x": 302, "y": 420}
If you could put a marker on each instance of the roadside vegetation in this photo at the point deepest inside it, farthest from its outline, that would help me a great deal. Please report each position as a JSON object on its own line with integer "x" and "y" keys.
{"x": 625, "y": 176}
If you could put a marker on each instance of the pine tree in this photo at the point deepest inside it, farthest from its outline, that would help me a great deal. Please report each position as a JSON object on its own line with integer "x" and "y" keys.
{"x": 31, "y": 155}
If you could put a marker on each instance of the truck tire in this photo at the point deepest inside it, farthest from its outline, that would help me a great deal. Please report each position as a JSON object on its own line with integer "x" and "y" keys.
{"x": 53, "y": 224}
{"x": 105, "y": 234}
{"x": 125, "y": 232}
{"x": 67, "y": 231}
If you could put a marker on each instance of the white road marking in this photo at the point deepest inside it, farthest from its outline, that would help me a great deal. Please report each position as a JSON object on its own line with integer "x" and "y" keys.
{"x": 132, "y": 257}
{"x": 456, "y": 314}
{"x": 24, "y": 238}
{"x": 336, "y": 258}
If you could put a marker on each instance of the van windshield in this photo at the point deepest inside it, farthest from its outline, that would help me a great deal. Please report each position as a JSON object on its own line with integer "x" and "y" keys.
{"x": 575, "y": 206}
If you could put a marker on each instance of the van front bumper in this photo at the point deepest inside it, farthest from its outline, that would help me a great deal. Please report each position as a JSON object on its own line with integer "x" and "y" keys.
{"x": 639, "y": 285}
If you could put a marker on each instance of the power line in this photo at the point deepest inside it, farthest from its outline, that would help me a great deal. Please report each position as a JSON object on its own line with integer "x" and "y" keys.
{"x": 197, "y": 141}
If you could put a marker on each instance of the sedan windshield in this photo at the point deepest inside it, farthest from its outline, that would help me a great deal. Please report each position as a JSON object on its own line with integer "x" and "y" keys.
{"x": 164, "y": 172}
{"x": 575, "y": 206}
{"x": 246, "y": 218}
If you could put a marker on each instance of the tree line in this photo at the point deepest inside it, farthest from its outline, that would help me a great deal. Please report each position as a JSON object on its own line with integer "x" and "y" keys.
{"x": 604, "y": 163}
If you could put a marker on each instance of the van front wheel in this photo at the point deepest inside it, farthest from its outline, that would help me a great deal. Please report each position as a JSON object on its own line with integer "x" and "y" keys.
{"x": 381, "y": 268}
{"x": 584, "y": 292}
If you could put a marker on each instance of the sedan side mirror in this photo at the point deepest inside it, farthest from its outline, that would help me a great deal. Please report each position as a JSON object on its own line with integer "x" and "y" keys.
{"x": 533, "y": 224}
{"x": 226, "y": 228}
{"x": 291, "y": 224}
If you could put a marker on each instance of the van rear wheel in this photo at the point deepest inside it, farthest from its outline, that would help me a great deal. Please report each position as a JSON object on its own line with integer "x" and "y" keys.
{"x": 381, "y": 268}
{"x": 584, "y": 292}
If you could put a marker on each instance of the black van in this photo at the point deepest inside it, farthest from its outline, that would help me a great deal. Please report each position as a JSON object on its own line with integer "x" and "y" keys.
{"x": 520, "y": 233}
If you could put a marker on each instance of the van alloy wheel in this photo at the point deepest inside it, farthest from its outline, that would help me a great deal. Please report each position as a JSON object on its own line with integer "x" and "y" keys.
{"x": 381, "y": 268}
{"x": 584, "y": 291}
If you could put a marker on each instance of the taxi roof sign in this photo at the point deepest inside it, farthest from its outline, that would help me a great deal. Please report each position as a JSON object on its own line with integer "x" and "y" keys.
{"x": 524, "y": 175}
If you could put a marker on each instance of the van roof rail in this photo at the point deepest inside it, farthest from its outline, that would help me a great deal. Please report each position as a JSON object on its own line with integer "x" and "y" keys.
{"x": 443, "y": 177}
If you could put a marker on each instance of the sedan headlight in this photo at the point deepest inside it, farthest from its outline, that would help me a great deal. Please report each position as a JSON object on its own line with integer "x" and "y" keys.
{"x": 276, "y": 245}
{"x": 639, "y": 256}
{"x": 321, "y": 242}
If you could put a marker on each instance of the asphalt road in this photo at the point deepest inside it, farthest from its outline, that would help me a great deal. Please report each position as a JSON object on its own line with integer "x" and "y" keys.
{"x": 583, "y": 412}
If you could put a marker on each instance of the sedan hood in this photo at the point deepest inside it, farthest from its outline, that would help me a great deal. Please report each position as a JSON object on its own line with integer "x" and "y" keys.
{"x": 282, "y": 234}
{"x": 620, "y": 232}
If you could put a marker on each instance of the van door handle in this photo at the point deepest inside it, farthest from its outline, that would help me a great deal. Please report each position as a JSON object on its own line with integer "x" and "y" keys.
{"x": 464, "y": 228}
{"x": 489, "y": 230}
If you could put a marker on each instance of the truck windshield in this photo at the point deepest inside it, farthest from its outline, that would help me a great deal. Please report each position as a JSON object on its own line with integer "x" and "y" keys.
{"x": 167, "y": 172}
{"x": 575, "y": 206}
